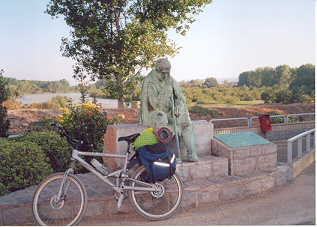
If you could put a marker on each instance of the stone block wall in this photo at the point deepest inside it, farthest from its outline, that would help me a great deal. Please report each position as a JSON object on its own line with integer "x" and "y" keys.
{"x": 203, "y": 134}
{"x": 207, "y": 168}
{"x": 234, "y": 188}
{"x": 15, "y": 208}
{"x": 246, "y": 159}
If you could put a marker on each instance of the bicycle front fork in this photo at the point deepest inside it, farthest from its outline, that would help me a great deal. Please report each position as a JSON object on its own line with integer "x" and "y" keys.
{"x": 65, "y": 183}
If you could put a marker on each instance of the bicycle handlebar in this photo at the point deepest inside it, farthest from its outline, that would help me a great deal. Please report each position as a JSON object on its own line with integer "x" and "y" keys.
{"x": 72, "y": 141}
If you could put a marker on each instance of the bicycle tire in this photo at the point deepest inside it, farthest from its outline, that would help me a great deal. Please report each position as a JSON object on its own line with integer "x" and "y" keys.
{"x": 68, "y": 211}
{"x": 157, "y": 206}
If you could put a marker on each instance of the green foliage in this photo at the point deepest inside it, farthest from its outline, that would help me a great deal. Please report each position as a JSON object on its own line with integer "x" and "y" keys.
{"x": 283, "y": 96}
{"x": 243, "y": 79}
{"x": 83, "y": 91}
{"x": 304, "y": 77}
{"x": 115, "y": 40}
{"x": 55, "y": 103}
{"x": 22, "y": 164}
{"x": 4, "y": 123}
{"x": 232, "y": 99}
{"x": 265, "y": 96}
{"x": 284, "y": 84}
{"x": 211, "y": 82}
{"x": 43, "y": 125}
{"x": 20, "y": 87}
{"x": 55, "y": 148}
{"x": 204, "y": 111}
{"x": 195, "y": 91}
{"x": 87, "y": 123}
{"x": 276, "y": 120}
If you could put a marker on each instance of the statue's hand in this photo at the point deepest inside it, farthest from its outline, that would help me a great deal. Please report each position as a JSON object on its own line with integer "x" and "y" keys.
{"x": 178, "y": 108}
{"x": 177, "y": 111}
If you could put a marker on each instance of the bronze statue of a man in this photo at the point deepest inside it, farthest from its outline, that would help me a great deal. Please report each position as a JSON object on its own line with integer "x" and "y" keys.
{"x": 156, "y": 107}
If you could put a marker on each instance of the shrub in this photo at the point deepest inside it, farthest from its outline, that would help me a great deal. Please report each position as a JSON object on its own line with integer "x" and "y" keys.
{"x": 23, "y": 164}
{"x": 55, "y": 103}
{"x": 231, "y": 99}
{"x": 55, "y": 148}
{"x": 4, "y": 93}
{"x": 11, "y": 104}
{"x": 87, "y": 123}
{"x": 276, "y": 120}
{"x": 204, "y": 111}
{"x": 265, "y": 96}
{"x": 43, "y": 125}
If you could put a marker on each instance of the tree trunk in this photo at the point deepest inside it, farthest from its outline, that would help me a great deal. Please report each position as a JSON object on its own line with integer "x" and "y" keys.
{"x": 120, "y": 92}
{"x": 120, "y": 103}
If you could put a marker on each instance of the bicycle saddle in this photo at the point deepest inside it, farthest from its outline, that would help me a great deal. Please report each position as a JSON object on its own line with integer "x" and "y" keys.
{"x": 130, "y": 138}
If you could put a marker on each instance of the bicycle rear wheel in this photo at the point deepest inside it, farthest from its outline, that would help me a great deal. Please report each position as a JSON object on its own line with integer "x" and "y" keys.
{"x": 69, "y": 210}
{"x": 156, "y": 205}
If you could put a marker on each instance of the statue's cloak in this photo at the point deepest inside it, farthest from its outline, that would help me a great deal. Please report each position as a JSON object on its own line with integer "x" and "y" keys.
{"x": 145, "y": 106}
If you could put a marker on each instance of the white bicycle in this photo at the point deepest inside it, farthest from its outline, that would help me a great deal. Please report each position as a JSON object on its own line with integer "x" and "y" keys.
{"x": 61, "y": 199}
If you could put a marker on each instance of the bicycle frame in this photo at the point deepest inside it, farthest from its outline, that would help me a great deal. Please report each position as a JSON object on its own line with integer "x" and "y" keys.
{"x": 117, "y": 174}
{"x": 120, "y": 187}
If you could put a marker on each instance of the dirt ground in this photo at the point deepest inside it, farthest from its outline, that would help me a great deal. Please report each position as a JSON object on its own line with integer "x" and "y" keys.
{"x": 20, "y": 120}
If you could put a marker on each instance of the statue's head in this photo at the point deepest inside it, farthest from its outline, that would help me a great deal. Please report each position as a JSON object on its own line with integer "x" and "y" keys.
{"x": 163, "y": 65}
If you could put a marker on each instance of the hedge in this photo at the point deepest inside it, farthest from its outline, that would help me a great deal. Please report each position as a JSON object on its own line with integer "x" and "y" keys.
{"x": 23, "y": 164}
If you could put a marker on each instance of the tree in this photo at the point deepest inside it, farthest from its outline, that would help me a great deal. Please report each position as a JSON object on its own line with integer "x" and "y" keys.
{"x": 268, "y": 75}
{"x": 243, "y": 79}
{"x": 116, "y": 39}
{"x": 83, "y": 90}
{"x": 265, "y": 96}
{"x": 283, "y": 96}
{"x": 304, "y": 76}
{"x": 283, "y": 76}
{"x": 4, "y": 123}
{"x": 196, "y": 83}
{"x": 255, "y": 78}
{"x": 211, "y": 82}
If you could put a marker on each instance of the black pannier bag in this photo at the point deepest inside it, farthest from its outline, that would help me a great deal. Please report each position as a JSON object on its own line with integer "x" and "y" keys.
{"x": 158, "y": 161}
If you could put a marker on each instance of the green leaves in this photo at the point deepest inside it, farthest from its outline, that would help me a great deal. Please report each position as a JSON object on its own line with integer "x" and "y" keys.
{"x": 86, "y": 122}
{"x": 23, "y": 164}
{"x": 117, "y": 39}
{"x": 55, "y": 148}
{"x": 4, "y": 93}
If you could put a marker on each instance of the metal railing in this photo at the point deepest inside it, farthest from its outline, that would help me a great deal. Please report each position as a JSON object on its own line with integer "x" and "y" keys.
{"x": 299, "y": 137}
{"x": 249, "y": 121}
{"x": 270, "y": 117}
{"x": 303, "y": 114}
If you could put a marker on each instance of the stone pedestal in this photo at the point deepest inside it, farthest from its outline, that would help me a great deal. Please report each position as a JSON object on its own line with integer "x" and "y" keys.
{"x": 247, "y": 159}
{"x": 203, "y": 134}
{"x": 208, "y": 168}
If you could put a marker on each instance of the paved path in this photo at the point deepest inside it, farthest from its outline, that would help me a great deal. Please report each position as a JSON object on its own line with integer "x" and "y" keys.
{"x": 291, "y": 204}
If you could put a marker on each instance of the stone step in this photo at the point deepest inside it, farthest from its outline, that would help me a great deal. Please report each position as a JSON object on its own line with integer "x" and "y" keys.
{"x": 15, "y": 208}
{"x": 208, "y": 167}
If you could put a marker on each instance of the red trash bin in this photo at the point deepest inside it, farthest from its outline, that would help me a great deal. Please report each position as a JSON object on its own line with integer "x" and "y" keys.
{"x": 265, "y": 123}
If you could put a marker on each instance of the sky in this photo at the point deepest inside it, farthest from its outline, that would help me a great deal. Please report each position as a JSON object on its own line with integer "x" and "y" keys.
{"x": 229, "y": 37}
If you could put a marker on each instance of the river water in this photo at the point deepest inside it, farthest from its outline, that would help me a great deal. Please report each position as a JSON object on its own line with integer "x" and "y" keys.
{"x": 37, "y": 98}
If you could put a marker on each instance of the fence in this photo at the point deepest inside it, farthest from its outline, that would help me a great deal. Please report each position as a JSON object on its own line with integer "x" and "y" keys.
{"x": 232, "y": 119}
{"x": 299, "y": 145}
{"x": 249, "y": 121}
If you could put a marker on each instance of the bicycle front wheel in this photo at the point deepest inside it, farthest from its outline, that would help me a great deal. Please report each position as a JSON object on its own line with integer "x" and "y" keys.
{"x": 68, "y": 210}
{"x": 156, "y": 205}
